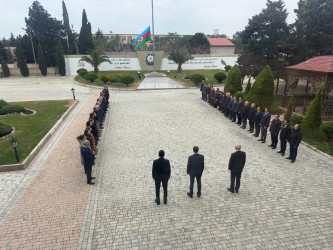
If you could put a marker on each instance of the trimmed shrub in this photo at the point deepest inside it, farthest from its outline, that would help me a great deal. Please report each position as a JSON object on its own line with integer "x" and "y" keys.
{"x": 5, "y": 129}
{"x": 227, "y": 67}
{"x": 220, "y": 76}
{"x": 289, "y": 110}
{"x": 115, "y": 79}
{"x": 91, "y": 76}
{"x": 197, "y": 78}
{"x": 3, "y": 103}
{"x": 119, "y": 75}
{"x": 11, "y": 108}
{"x": 239, "y": 94}
{"x": 105, "y": 78}
{"x": 60, "y": 59}
{"x": 248, "y": 86}
{"x": 22, "y": 64}
{"x": 296, "y": 119}
{"x": 42, "y": 61}
{"x": 327, "y": 128}
{"x": 234, "y": 81}
{"x": 127, "y": 79}
{"x": 262, "y": 91}
{"x": 4, "y": 67}
{"x": 80, "y": 69}
{"x": 187, "y": 77}
{"x": 83, "y": 72}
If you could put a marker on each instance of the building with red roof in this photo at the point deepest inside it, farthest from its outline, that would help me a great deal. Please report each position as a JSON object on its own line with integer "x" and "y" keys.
{"x": 221, "y": 46}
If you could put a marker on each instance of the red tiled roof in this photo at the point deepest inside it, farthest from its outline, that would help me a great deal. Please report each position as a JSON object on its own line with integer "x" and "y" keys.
{"x": 216, "y": 42}
{"x": 321, "y": 64}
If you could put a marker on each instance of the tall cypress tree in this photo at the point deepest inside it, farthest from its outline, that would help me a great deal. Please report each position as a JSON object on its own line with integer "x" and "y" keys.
{"x": 60, "y": 60}
{"x": 41, "y": 61}
{"x": 234, "y": 81}
{"x": 71, "y": 40}
{"x": 248, "y": 86}
{"x": 4, "y": 67}
{"x": 289, "y": 111}
{"x": 21, "y": 61}
{"x": 85, "y": 39}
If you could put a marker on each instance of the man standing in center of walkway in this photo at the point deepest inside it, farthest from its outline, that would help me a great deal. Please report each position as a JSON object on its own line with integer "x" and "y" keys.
{"x": 161, "y": 173}
{"x": 236, "y": 165}
{"x": 195, "y": 167}
{"x": 88, "y": 160}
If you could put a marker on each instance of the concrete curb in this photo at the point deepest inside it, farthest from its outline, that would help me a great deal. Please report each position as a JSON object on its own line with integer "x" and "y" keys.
{"x": 40, "y": 145}
{"x": 100, "y": 87}
{"x": 317, "y": 150}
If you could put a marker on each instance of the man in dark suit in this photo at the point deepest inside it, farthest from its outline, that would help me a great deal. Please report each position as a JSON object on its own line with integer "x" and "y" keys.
{"x": 295, "y": 140}
{"x": 284, "y": 137}
{"x": 236, "y": 165}
{"x": 239, "y": 109}
{"x": 244, "y": 114}
{"x": 226, "y": 107}
{"x": 231, "y": 103}
{"x": 195, "y": 167}
{"x": 275, "y": 130}
{"x": 264, "y": 124}
{"x": 251, "y": 116}
{"x": 161, "y": 173}
{"x": 234, "y": 110}
{"x": 257, "y": 120}
{"x": 88, "y": 160}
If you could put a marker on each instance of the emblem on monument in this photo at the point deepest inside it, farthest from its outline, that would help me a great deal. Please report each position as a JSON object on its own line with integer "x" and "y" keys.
{"x": 150, "y": 59}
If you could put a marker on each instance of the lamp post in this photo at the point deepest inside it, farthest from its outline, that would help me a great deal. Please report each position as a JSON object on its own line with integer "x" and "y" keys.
{"x": 13, "y": 142}
{"x": 73, "y": 91}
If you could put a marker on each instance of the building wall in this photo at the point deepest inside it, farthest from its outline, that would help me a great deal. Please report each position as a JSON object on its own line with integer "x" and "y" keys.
{"x": 222, "y": 50}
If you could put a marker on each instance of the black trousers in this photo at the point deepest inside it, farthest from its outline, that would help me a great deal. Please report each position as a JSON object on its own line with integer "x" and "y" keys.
{"x": 234, "y": 116}
{"x": 251, "y": 123}
{"x": 239, "y": 119}
{"x": 274, "y": 140}
{"x": 257, "y": 127}
{"x": 263, "y": 133}
{"x": 293, "y": 152}
{"x": 198, "y": 177}
{"x": 164, "y": 179}
{"x": 283, "y": 145}
{"x": 231, "y": 114}
{"x": 226, "y": 112}
{"x": 87, "y": 169}
{"x": 244, "y": 122}
{"x": 234, "y": 176}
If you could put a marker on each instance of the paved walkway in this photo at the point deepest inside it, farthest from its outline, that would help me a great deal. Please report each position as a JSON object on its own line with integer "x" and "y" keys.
{"x": 280, "y": 205}
{"x": 161, "y": 82}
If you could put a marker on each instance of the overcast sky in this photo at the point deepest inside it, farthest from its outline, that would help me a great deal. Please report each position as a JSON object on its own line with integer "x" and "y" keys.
{"x": 133, "y": 16}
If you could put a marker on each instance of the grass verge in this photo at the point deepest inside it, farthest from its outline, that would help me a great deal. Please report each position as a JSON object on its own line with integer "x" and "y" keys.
{"x": 29, "y": 130}
{"x": 319, "y": 140}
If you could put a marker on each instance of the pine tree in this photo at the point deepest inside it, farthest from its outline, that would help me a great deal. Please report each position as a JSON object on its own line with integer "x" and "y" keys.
{"x": 71, "y": 40}
{"x": 313, "y": 117}
{"x": 4, "y": 67}
{"x": 85, "y": 39}
{"x": 41, "y": 61}
{"x": 289, "y": 110}
{"x": 248, "y": 86}
{"x": 21, "y": 61}
{"x": 60, "y": 60}
{"x": 234, "y": 81}
{"x": 262, "y": 91}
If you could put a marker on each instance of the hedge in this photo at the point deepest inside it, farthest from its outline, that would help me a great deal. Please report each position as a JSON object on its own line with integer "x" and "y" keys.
{"x": 296, "y": 119}
{"x": 11, "y": 108}
{"x": 127, "y": 79}
{"x": 3, "y": 103}
{"x": 327, "y": 128}
{"x": 5, "y": 129}
{"x": 196, "y": 78}
{"x": 220, "y": 76}
{"x": 91, "y": 76}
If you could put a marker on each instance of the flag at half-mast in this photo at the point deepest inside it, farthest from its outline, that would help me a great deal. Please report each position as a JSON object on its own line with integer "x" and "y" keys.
{"x": 144, "y": 37}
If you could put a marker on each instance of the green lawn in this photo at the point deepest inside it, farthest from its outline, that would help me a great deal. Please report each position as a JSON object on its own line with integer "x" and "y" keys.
{"x": 319, "y": 140}
{"x": 29, "y": 130}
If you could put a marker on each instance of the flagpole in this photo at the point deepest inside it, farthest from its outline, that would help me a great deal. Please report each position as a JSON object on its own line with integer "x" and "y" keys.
{"x": 152, "y": 14}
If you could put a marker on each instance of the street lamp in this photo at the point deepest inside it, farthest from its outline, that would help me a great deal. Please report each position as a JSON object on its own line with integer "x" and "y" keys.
{"x": 73, "y": 91}
{"x": 13, "y": 142}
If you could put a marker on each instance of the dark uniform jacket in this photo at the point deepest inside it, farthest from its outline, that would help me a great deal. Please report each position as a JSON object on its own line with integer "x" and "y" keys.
{"x": 275, "y": 127}
{"x": 257, "y": 118}
{"x": 234, "y": 106}
{"x": 88, "y": 156}
{"x": 266, "y": 118}
{"x": 195, "y": 164}
{"x": 161, "y": 166}
{"x": 239, "y": 106}
{"x": 295, "y": 138}
{"x": 245, "y": 111}
{"x": 237, "y": 162}
{"x": 285, "y": 133}
{"x": 251, "y": 114}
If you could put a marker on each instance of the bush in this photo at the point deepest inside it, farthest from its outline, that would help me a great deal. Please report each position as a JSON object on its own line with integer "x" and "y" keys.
{"x": 5, "y": 129}
{"x": 296, "y": 119}
{"x": 80, "y": 69}
{"x": 127, "y": 79}
{"x": 289, "y": 110}
{"x": 91, "y": 76}
{"x": 248, "y": 86}
{"x": 4, "y": 67}
{"x": 227, "y": 67}
{"x": 83, "y": 72}
{"x": 187, "y": 77}
{"x": 11, "y": 108}
{"x": 239, "y": 94}
{"x": 119, "y": 75}
{"x": 115, "y": 79}
{"x": 197, "y": 78}
{"x": 327, "y": 128}
{"x": 3, "y": 103}
{"x": 234, "y": 81}
{"x": 220, "y": 76}
{"x": 105, "y": 78}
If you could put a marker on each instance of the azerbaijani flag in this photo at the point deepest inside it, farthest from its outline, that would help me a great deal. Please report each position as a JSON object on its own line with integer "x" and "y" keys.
{"x": 144, "y": 37}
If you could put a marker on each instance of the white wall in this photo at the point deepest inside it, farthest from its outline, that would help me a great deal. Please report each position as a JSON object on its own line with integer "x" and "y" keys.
{"x": 200, "y": 63}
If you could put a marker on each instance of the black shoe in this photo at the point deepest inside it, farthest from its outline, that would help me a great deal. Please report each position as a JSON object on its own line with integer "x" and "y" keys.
{"x": 157, "y": 201}
{"x": 292, "y": 161}
{"x": 198, "y": 195}
{"x": 230, "y": 190}
{"x": 91, "y": 183}
{"x": 270, "y": 146}
{"x": 282, "y": 154}
{"x": 249, "y": 130}
{"x": 236, "y": 191}
{"x": 165, "y": 200}
{"x": 263, "y": 142}
{"x": 260, "y": 140}
{"x": 189, "y": 195}
{"x": 279, "y": 152}
{"x": 256, "y": 135}
{"x": 92, "y": 178}
{"x": 288, "y": 158}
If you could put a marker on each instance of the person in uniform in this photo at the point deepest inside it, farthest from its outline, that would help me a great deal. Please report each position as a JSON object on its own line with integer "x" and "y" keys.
{"x": 251, "y": 116}
{"x": 275, "y": 130}
{"x": 284, "y": 137}
{"x": 257, "y": 120}
{"x": 234, "y": 109}
{"x": 239, "y": 109}
{"x": 295, "y": 140}
{"x": 264, "y": 124}
{"x": 244, "y": 114}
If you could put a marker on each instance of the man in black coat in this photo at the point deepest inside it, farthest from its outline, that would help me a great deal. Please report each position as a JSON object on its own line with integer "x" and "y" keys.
{"x": 231, "y": 103}
{"x": 257, "y": 120}
{"x": 295, "y": 140}
{"x": 264, "y": 124}
{"x": 275, "y": 130}
{"x": 284, "y": 137}
{"x": 239, "y": 109}
{"x": 251, "y": 116}
{"x": 207, "y": 90}
{"x": 161, "y": 173}
{"x": 88, "y": 160}
{"x": 226, "y": 107}
{"x": 244, "y": 114}
{"x": 236, "y": 165}
{"x": 195, "y": 167}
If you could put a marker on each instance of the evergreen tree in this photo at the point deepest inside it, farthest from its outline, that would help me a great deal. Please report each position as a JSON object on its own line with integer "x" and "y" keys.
{"x": 41, "y": 61}
{"x": 262, "y": 91}
{"x": 21, "y": 61}
{"x": 289, "y": 111}
{"x": 198, "y": 44}
{"x": 313, "y": 117}
{"x": 234, "y": 81}
{"x": 3, "y": 52}
{"x": 85, "y": 39}
{"x": 4, "y": 67}
{"x": 70, "y": 36}
{"x": 248, "y": 86}
{"x": 60, "y": 60}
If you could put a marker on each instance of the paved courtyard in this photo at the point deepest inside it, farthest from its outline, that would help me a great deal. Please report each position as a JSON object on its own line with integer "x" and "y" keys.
{"x": 279, "y": 205}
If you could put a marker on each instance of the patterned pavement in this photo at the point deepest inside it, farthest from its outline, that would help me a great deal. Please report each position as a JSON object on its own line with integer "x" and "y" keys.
{"x": 279, "y": 205}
